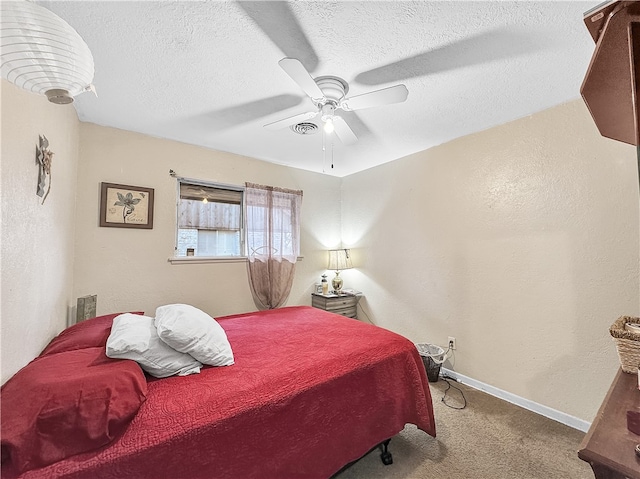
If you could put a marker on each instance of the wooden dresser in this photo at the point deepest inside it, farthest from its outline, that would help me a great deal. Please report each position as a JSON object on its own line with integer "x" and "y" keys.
{"x": 609, "y": 447}
{"x": 340, "y": 304}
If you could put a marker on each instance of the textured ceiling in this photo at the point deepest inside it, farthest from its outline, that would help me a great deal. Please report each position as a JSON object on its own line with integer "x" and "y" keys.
{"x": 207, "y": 73}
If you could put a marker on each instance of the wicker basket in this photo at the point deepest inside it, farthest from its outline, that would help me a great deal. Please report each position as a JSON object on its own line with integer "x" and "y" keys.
{"x": 627, "y": 342}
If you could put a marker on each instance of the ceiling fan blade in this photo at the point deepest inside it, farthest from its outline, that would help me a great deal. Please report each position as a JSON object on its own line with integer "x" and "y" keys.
{"x": 385, "y": 96}
{"x": 300, "y": 75}
{"x": 292, "y": 120}
{"x": 358, "y": 126}
{"x": 344, "y": 132}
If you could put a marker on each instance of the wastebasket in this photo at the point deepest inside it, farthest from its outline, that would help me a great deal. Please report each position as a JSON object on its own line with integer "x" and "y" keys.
{"x": 432, "y": 357}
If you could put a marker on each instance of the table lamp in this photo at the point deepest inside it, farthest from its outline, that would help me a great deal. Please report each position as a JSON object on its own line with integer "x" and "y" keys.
{"x": 339, "y": 259}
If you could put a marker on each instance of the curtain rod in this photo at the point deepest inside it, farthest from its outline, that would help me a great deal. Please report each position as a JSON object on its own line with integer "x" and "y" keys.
{"x": 200, "y": 182}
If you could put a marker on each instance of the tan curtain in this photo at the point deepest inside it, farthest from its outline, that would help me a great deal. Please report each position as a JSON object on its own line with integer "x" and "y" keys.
{"x": 272, "y": 222}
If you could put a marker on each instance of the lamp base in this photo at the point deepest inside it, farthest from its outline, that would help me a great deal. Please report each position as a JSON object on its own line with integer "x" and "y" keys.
{"x": 336, "y": 282}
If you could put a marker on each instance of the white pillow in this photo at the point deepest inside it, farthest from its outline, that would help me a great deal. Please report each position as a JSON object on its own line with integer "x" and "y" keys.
{"x": 135, "y": 337}
{"x": 190, "y": 330}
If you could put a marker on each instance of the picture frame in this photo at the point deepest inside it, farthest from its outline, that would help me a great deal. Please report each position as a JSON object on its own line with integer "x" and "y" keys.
{"x": 126, "y": 206}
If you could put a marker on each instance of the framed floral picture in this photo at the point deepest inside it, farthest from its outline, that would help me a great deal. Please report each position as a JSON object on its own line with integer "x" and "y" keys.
{"x": 124, "y": 206}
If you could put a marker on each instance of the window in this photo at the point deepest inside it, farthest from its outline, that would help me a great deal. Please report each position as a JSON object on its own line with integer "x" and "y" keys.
{"x": 209, "y": 220}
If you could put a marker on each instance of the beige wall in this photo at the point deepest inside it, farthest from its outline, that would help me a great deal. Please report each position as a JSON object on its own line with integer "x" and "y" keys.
{"x": 520, "y": 241}
{"x": 37, "y": 239}
{"x": 128, "y": 268}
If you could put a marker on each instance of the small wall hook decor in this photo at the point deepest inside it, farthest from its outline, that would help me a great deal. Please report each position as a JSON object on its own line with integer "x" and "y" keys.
{"x": 44, "y": 157}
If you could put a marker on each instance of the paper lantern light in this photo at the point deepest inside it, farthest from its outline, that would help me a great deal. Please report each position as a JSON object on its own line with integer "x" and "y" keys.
{"x": 42, "y": 53}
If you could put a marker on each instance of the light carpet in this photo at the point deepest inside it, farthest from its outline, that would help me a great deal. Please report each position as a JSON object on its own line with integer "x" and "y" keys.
{"x": 489, "y": 439}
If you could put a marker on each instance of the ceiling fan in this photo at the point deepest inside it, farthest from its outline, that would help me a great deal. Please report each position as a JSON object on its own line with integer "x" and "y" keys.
{"x": 328, "y": 94}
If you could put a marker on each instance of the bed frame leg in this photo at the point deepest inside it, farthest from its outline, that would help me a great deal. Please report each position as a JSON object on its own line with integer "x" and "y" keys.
{"x": 386, "y": 456}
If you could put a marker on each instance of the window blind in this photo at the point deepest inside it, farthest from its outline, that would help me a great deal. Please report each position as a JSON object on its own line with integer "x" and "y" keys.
{"x": 190, "y": 191}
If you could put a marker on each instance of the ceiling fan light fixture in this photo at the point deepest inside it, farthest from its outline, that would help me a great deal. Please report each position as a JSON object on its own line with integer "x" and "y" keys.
{"x": 327, "y": 111}
{"x": 328, "y": 114}
{"x": 328, "y": 125}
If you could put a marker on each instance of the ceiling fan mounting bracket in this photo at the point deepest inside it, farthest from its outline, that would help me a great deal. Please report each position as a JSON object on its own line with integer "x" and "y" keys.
{"x": 333, "y": 88}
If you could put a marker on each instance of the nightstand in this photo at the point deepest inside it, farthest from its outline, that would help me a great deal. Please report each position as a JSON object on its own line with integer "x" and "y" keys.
{"x": 344, "y": 304}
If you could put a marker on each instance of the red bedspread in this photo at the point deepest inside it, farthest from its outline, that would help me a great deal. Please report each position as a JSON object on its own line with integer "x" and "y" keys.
{"x": 310, "y": 391}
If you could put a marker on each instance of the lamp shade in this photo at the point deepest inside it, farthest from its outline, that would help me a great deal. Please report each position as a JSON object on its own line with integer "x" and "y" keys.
{"x": 42, "y": 53}
{"x": 339, "y": 259}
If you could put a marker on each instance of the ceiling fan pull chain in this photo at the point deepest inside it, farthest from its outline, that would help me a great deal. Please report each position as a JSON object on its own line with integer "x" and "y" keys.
{"x": 332, "y": 155}
{"x": 324, "y": 151}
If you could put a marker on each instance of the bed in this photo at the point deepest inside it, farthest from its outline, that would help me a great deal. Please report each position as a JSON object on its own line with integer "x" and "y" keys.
{"x": 309, "y": 393}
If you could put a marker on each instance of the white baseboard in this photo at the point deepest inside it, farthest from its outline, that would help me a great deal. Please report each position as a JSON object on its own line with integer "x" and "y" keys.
{"x": 558, "y": 416}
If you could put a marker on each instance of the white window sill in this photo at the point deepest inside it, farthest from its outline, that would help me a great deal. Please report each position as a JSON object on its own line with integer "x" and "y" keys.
{"x": 210, "y": 259}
